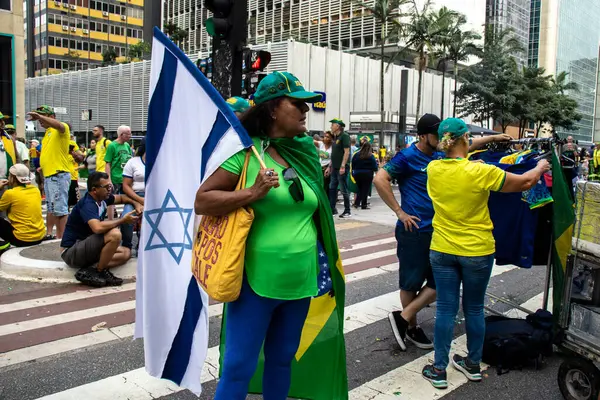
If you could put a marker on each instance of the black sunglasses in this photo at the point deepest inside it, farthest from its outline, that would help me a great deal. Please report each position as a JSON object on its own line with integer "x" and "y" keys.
{"x": 296, "y": 191}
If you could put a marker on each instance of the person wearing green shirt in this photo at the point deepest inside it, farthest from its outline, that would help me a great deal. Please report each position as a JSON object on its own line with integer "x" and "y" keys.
{"x": 117, "y": 155}
{"x": 281, "y": 258}
{"x": 339, "y": 166}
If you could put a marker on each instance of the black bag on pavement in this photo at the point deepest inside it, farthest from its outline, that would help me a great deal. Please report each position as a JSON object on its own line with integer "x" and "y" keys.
{"x": 514, "y": 343}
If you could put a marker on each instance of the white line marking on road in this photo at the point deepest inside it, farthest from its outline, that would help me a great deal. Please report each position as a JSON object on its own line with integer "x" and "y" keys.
{"x": 62, "y": 298}
{"x": 24, "y": 326}
{"x": 407, "y": 379}
{"x": 357, "y": 316}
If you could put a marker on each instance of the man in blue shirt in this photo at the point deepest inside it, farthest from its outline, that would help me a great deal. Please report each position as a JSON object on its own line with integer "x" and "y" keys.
{"x": 92, "y": 244}
{"x": 414, "y": 228}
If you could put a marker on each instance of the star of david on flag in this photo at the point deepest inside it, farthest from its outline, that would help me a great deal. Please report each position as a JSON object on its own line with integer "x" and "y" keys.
{"x": 173, "y": 216}
{"x": 191, "y": 132}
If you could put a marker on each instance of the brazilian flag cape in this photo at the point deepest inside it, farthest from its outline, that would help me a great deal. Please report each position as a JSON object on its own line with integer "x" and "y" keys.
{"x": 563, "y": 220}
{"x": 9, "y": 148}
{"x": 319, "y": 367}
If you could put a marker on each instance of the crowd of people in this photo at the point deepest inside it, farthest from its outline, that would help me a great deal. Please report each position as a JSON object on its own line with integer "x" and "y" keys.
{"x": 443, "y": 231}
{"x": 93, "y": 238}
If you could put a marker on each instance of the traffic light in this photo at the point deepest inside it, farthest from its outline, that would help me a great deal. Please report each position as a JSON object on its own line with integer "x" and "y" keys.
{"x": 220, "y": 24}
{"x": 256, "y": 60}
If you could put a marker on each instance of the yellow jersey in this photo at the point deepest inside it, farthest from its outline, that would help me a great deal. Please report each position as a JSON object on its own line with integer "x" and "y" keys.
{"x": 100, "y": 153}
{"x": 74, "y": 164}
{"x": 459, "y": 190}
{"x": 22, "y": 204}
{"x": 55, "y": 151}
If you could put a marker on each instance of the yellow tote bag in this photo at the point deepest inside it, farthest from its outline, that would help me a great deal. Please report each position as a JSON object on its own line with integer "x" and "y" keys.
{"x": 219, "y": 249}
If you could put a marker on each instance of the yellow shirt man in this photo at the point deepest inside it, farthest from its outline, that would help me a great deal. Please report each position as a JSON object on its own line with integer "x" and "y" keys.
{"x": 55, "y": 156}
{"x": 74, "y": 164}
{"x": 463, "y": 198}
{"x": 101, "y": 146}
{"x": 22, "y": 204}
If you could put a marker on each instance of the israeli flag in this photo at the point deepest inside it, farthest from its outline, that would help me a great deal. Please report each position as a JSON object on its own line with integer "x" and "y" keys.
{"x": 191, "y": 132}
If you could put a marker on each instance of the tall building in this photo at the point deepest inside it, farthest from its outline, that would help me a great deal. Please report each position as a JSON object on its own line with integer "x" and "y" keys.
{"x": 567, "y": 41}
{"x": 534, "y": 33}
{"x": 71, "y": 35}
{"x": 12, "y": 73}
{"x": 511, "y": 14}
{"x": 337, "y": 24}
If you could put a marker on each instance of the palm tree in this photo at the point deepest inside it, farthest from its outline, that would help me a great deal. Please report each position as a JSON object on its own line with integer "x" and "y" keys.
{"x": 388, "y": 14}
{"x": 420, "y": 34}
{"x": 560, "y": 84}
{"x": 462, "y": 46}
{"x": 449, "y": 22}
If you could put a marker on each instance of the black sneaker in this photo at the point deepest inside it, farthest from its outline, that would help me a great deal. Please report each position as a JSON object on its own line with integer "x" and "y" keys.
{"x": 419, "y": 338}
{"x": 399, "y": 327}
{"x": 111, "y": 280}
{"x": 346, "y": 214}
{"x": 90, "y": 276}
{"x": 438, "y": 379}
{"x": 472, "y": 372}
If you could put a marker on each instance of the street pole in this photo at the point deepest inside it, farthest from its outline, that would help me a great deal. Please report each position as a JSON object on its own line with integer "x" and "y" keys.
{"x": 227, "y": 53}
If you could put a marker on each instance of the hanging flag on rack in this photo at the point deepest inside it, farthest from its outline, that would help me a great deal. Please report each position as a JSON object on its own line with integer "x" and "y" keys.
{"x": 563, "y": 221}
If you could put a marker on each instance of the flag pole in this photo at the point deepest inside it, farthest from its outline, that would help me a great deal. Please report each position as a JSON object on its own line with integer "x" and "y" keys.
{"x": 260, "y": 160}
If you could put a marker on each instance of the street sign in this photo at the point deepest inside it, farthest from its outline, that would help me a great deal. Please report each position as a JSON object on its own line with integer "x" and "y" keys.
{"x": 86, "y": 115}
{"x": 60, "y": 110}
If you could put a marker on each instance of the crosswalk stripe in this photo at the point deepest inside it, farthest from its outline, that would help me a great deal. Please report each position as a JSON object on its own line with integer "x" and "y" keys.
{"x": 357, "y": 316}
{"x": 408, "y": 381}
{"x": 81, "y": 294}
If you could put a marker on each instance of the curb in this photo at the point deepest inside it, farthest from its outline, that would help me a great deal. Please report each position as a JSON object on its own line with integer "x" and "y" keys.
{"x": 16, "y": 267}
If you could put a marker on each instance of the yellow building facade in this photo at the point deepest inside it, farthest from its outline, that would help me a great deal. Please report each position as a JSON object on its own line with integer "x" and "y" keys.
{"x": 73, "y": 35}
{"x": 12, "y": 69}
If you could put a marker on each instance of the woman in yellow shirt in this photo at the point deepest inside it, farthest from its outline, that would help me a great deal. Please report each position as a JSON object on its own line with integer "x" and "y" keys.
{"x": 25, "y": 226}
{"x": 462, "y": 245}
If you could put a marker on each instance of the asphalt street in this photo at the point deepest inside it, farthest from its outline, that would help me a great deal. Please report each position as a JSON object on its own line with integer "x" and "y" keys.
{"x": 83, "y": 366}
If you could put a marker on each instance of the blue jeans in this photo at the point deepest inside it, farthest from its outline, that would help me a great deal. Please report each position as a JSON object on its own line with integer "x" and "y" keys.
{"x": 57, "y": 193}
{"x": 252, "y": 320}
{"x": 340, "y": 180}
{"x": 127, "y": 229}
{"x": 474, "y": 273}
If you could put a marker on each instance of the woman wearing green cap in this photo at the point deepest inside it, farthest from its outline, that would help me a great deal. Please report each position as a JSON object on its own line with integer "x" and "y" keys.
{"x": 291, "y": 212}
{"x": 462, "y": 245}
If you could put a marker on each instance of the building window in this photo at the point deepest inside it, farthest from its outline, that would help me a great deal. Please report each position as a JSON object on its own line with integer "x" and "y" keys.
{"x": 5, "y": 5}
{"x": 51, "y": 63}
{"x": 51, "y": 40}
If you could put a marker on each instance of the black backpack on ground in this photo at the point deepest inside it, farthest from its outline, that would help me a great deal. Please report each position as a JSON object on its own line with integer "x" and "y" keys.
{"x": 513, "y": 343}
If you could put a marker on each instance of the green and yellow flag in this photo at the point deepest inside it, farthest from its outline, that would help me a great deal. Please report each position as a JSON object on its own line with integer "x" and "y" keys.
{"x": 564, "y": 218}
{"x": 319, "y": 368}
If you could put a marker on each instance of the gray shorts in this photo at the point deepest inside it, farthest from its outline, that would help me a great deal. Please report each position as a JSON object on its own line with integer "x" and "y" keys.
{"x": 84, "y": 253}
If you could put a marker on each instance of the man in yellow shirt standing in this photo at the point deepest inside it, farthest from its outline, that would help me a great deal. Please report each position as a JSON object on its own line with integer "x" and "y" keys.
{"x": 56, "y": 166}
{"x": 101, "y": 145}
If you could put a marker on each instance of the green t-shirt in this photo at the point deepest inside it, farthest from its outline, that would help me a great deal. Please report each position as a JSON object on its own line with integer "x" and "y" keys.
{"x": 117, "y": 155}
{"x": 337, "y": 150}
{"x": 281, "y": 249}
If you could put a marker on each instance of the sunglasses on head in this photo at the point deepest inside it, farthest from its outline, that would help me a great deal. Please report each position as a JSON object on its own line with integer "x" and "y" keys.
{"x": 296, "y": 191}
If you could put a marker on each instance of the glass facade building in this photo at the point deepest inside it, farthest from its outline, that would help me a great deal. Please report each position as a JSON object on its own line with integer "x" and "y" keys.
{"x": 511, "y": 14}
{"x": 534, "y": 33}
{"x": 577, "y": 54}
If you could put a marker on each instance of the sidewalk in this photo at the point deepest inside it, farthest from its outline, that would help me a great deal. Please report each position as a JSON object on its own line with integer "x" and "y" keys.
{"x": 42, "y": 263}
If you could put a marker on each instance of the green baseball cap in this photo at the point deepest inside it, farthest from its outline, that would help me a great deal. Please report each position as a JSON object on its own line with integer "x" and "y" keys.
{"x": 9, "y": 127}
{"x": 45, "y": 110}
{"x": 238, "y": 104}
{"x": 279, "y": 84}
{"x": 454, "y": 126}
{"x": 338, "y": 121}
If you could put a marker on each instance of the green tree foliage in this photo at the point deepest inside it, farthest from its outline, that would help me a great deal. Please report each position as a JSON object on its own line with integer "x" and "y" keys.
{"x": 175, "y": 33}
{"x": 109, "y": 56}
{"x": 139, "y": 50}
{"x": 495, "y": 89}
